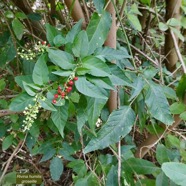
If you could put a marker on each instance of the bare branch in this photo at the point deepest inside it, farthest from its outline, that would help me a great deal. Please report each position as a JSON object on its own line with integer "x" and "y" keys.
{"x": 7, "y": 112}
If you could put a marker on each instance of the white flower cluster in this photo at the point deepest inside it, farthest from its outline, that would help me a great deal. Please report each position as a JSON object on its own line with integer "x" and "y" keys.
{"x": 30, "y": 54}
{"x": 31, "y": 114}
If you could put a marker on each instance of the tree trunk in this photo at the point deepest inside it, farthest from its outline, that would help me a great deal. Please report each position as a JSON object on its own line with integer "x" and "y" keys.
{"x": 77, "y": 12}
{"x": 111, "y": 42}
{"x": 172, "y": 11}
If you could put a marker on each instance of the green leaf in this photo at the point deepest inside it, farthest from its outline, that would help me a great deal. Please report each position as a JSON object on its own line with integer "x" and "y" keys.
{"x": 150, "y": 182}
{"x": 56, "y": 168}
{"x": 158, "y": 104}
{"x": 89, "y": 89}
{"x": 150, "y": 72}
{"x": 162, "y": 180}
{"x": 28, "y": 89}
{"x": 163, "y": 26}
{"x": 67, "y": 150}
{"x": 103, "y": 82}
{"x": 20, "y": 79}
{"x": 48, "y": 154}
{"x": 112, "y": 177}
{"x": 146, "y": 2}
{"x": 169, "y": 93}
{"x": 173, "y": 141}
{"x": 111, "y": 54}
{"x": 20, "y": 15}
{"x": 78, "y": 167}
{"x": 34, "y": 16}
{"x": 60, "y": 117}
{"x": 7, "y": 142}
{"x": 2, "y": 84}
{"x": 180, "y": 90}
{"x": 183, "y": 22}
{"x": 28, "y": 66}
{"x": 89, "y": 180}
{"x": 51, "y": 33}
{"x": 173, "y": 22}
{"x": 3, "y": 129}
{"x": 74, "y": 31}
{"x": 9, "y": 14}
{"x": 80, "y": 45}
{"x": 61, "y": 59}
{"x": 177, "y": 108}
{"x": 175, "y": 171}
{"x": 134, "y": 10}
{"x": 99, "y": 5}
{"x": 20, "y": 102}
{"x": 46, "y": 104}
{"x": 138, "y": 87}
{"x": 59, "y": 40}
{"x": 183, "y": 115}
{"x": 96, "y": 67}
{"x": 118, "y": 76}
{"x": 35, "y": 129}
{"x": 162, "y": 154}
{"x": 134, "y": 21}
{"x": 140, "y": 166}
{"x": 18, "y": 28}
{"x": 9, "y": 179}
{"x": 118, "y": 125}
{"x": 178, "y": 33}
{"x": 74, "y": 97}
{"x": 81, "y": 119}
{"x": 94, "y": 108}
{"x": 40, "y": 73}
{"x": 98, "y": 29}
{"x": 62, "y": 73}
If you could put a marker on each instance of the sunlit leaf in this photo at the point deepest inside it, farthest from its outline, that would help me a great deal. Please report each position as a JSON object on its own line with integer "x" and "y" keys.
{"x": 119, "y": 124}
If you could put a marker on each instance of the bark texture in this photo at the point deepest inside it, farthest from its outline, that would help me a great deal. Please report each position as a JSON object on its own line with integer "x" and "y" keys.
{"x": 172, "y": 11}
{"x": 111, "y": 42}
{"x": 77, "y": 12}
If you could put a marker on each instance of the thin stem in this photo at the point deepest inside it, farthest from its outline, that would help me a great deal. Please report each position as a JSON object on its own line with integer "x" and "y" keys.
{"x": 146, "y": 56}
{"x": 10, "y": 159}
{"x": 178, "y": 51}
{"x": 125, "y": 34}
{"x": 122, "y": 10}
{"x": 86, "y": 10}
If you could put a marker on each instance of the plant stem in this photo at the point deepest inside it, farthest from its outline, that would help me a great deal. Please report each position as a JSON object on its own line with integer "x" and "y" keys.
{"x": 178, "y": 51}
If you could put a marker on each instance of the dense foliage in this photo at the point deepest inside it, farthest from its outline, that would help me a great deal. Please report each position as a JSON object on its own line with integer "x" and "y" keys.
{"x": 56, "y": 82}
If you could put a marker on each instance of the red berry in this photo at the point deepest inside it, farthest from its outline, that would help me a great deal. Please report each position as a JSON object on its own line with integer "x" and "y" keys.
{"x": 63, "y": 94}
{"x": 55, "y": 95}
{"x": 59, "y": 90}
{"x": 48, "y": 45}
{"x": 69, "y": 89}
{"x": 43, "y": 42}
{"x": 70, "y": 82}
{"x": 54, "y": 101}
{"x": 75, "y": 78}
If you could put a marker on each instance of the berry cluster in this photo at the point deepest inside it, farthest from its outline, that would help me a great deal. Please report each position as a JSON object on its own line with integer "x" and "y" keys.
{"x": 62, "y": 93}
{"x": 30, "y": 54}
